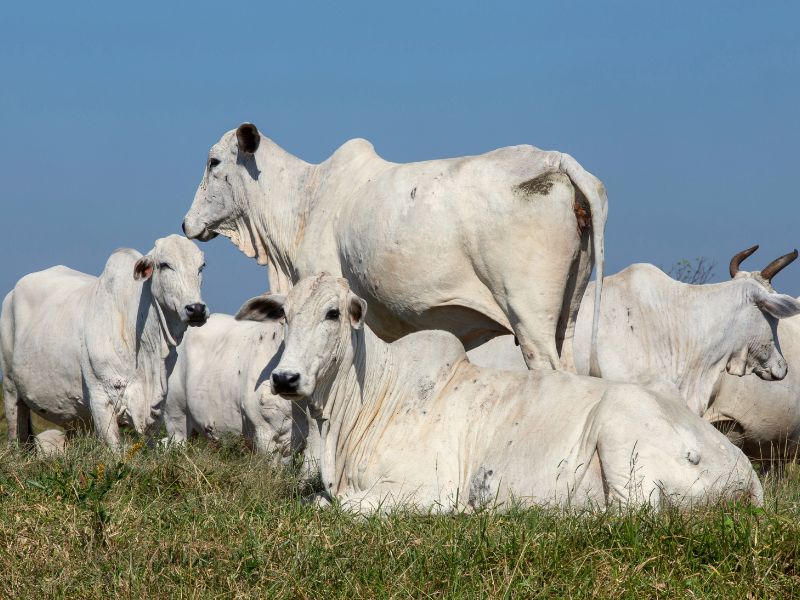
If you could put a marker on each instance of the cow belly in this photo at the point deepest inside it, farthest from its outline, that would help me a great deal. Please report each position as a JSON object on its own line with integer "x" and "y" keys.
{"x": 216, "y": 413}
{"x": 55, "y": 395}
{"x": 47, "y": 373}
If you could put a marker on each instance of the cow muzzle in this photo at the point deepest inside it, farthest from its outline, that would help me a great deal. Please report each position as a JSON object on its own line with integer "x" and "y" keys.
{"x": 199, "y": 232}
{"x": 286, "y": 382}
{"x": 196, "y": 314}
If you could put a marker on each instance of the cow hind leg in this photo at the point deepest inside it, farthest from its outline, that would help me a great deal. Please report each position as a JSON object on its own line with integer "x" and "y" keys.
{"x": 534, "y": 307}
{"x": 18, "y": 415}
{"x": 580, "y": 271}
{"x": 536, "y": 258}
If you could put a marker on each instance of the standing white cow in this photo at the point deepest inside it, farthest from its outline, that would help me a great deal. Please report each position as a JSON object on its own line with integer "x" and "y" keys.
{"x": 478, "y": 246}
{"x": 78, "y": 349}
{"x": 762, "y": 417}
{"x": 655, "y": 328}
{"x": 415, "y": 423}
{"x": 215, "y": 388}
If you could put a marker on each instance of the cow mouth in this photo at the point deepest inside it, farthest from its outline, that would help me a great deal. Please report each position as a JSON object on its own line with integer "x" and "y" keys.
{"x": 196, "y": 322}
{"x": 207, "y": 235}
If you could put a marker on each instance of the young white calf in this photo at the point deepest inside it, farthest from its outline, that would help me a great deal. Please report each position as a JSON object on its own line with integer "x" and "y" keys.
{"x": 216, "y": 387}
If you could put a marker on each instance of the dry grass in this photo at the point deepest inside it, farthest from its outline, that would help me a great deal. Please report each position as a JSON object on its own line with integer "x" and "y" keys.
{"x": 219, "y": 522}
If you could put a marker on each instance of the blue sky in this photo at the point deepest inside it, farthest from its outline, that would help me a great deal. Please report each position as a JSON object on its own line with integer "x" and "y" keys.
{"x": 688, "y": 112}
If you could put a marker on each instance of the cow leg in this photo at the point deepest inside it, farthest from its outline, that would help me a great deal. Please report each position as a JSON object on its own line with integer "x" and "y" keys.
{"x": 533, "y": 307}
{"x": 177, "y": 424}
{"x": 527, "y": 266}
{"x": 579, "y": 274}
{"x": 18, "y": 415}
{"x": 105, "y": 420}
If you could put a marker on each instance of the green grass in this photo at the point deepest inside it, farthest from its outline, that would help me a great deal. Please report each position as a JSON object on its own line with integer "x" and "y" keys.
{"x": 219, "y": 522}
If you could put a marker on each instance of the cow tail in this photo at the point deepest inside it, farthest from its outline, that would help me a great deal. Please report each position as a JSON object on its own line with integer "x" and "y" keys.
{"x": 595, "y": 193}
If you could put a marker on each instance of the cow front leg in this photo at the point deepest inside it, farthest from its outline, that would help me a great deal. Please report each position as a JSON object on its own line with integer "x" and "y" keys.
{"x": 105, "y": 422}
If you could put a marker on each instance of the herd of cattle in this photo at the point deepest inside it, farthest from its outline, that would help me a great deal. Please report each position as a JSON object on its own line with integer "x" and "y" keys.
{"x": 634, "y": 390}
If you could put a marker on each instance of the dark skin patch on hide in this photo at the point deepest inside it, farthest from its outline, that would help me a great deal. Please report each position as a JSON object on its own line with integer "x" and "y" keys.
{"x": 539, "y": 186}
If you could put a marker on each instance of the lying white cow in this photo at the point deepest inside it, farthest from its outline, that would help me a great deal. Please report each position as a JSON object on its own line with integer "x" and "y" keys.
{"x": 763, "y": 417}
{"x": 503, "y": 237}
{"x": 415, "y": 423}
{"x": 214, "y": 388}
{"x": 655, "y": 328}
{"x": 78, "y": 349}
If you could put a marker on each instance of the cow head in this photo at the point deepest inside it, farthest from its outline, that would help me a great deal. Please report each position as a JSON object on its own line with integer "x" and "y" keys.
{"x": 322, "y": 316}
{"x": 174, "y": 268}
{"x": 756, "y": 332}
{"x": 229, "y": 179}
{"x": 759, "y": 352}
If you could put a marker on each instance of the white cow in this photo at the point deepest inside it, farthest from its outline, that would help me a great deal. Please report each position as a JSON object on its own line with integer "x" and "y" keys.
{"x": 415, "y": 423}
{"x": 763, "y": 417}
{"x": 78, "y": 349}
{"x": 478, "y": 246}
{"x": 655, "y": 328}
{"x": 215, "y": 388}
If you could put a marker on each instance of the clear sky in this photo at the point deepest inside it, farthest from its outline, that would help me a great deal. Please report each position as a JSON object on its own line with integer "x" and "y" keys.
{"x": 687, "y": 111}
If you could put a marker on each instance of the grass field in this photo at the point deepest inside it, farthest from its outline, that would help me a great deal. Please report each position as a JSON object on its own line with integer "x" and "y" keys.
{"x": 207, "y": 521}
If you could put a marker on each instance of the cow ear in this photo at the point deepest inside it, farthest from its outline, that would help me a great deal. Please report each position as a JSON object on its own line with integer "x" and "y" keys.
{"x": 248, "y": 137}
{"x": 779, "y": 306}
{"x": 357, "y": 310}
{"x": 143, "y": 269}
{"x": 266, "y": 307}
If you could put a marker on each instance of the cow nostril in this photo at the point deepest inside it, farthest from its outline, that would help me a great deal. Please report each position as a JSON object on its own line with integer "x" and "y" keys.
{"x": 183, "y": 227}
{"x": 196, "y": 310}
{"x": 285, "y": 382}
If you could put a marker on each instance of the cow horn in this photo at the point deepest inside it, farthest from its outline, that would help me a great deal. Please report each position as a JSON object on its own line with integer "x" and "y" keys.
{"x": 777, "y": 265}
{"x": 738, "y": 258}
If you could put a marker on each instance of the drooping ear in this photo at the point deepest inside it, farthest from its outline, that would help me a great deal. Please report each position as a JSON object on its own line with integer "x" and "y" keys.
{"x": 143, "y": 269}
{"x": 356, "y": 310}
{"x": 248, "y": 137}
{"x": 780, "y": 306}
{"x": 266, "y": 307}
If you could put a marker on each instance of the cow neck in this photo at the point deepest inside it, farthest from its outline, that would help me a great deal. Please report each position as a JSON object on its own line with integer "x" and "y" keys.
{"x": 695, "y": 359}
{"x": 358, "y": 402}
{"x": 154, "y": 342}
{"x": 272, "y": 225}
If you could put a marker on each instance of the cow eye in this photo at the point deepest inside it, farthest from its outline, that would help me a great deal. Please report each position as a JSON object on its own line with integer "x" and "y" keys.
{"x": 333, "y": 314}
{"x": 203, "y": 266}
{"x": 212, "y": 162}
{"x": 165, "y": 266}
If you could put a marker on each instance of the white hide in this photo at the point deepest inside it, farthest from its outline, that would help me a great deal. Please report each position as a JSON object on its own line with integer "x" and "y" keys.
{"x": 51, "y": 442}
{"x": 79, "y": 349}
{"x": 215, "y": 388}
{"x": 763, "y": 417}
{"x": 653, "y": 328}
{"x": 415, "y": 424}
{"x": 478, "y": 246}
